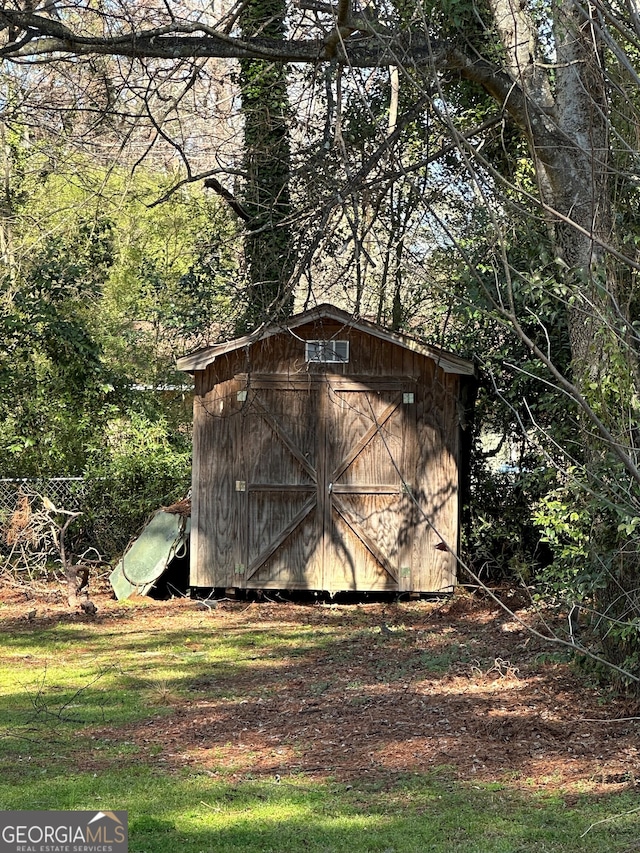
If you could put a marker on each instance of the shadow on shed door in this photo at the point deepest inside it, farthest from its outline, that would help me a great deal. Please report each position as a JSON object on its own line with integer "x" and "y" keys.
{"x": 325, "y": 499}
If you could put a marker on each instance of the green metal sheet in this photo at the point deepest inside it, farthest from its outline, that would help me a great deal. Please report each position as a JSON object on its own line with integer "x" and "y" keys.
{"x": 164, "y": 538}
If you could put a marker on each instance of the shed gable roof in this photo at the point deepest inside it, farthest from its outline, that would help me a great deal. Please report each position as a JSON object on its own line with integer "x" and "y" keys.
{"x": 449, "y": 362}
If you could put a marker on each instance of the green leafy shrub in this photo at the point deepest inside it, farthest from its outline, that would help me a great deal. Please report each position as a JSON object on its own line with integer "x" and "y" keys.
{"x": 500, "y": 541}
{"x": 564, "y": 518}
{"x": 596, "y": 557}
{"x": 145, "y": 465}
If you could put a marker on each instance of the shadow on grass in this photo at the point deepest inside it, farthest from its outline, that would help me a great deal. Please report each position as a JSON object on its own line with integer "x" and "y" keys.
{"x": 279, "y": 698}
{"x": 399, "y": 813}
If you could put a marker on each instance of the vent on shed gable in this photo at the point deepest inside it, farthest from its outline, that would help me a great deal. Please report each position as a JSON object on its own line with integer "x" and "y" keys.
{"x": 327, "y": 351}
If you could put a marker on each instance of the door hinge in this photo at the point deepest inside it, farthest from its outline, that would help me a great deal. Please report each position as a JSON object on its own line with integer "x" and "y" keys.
{"x": 408, "y": 397}
{"x": 239, "y": 569}
{"x": 241, "y": 485}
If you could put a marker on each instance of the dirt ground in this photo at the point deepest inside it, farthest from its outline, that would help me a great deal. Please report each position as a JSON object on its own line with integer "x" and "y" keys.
{"x": 398, "y": 688}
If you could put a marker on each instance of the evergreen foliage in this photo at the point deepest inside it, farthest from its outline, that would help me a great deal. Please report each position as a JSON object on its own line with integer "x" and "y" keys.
{"x": 105, "y": 294}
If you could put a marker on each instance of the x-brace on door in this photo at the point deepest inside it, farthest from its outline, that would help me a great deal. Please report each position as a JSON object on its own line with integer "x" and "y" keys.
{"x": 326, "y": 495}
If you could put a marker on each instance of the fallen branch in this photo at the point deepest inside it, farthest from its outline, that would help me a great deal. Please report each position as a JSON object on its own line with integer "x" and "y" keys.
{"x": 609, "y": 819}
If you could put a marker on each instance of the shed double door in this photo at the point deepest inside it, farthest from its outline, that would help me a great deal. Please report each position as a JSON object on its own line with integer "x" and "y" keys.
{"x": 326, "y": 502}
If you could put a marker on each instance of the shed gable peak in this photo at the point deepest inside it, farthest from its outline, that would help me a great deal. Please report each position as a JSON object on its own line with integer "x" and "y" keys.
{"x": 449, "y": 362}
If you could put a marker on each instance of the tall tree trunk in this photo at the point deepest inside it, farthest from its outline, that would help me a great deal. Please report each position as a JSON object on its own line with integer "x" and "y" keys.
{"x": 568, "y": 130}
{"x": 267, "y": 165}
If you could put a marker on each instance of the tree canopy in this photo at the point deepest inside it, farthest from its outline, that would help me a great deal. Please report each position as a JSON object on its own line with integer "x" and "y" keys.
{"x": 468, "y": 169}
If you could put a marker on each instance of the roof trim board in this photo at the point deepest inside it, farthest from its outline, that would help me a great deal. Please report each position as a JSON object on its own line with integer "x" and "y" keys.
{"x": 449, "y": 362}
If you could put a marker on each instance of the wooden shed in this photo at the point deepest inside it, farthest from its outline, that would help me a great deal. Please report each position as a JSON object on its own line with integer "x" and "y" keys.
{"x": 326, "y": 456}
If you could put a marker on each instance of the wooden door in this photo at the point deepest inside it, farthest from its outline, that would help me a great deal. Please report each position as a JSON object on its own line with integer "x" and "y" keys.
{"x": 283, "y": 514}
{"x": 367, "y": 543}
{"x": 326, "y": 490}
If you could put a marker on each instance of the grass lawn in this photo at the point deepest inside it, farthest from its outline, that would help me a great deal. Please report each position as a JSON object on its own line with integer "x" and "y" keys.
{"x": 281, "y": 728}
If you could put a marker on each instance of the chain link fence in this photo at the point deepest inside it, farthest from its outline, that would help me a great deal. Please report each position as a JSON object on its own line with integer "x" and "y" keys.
{"x": 110, "y": 513}
{"x": 63, "y": 492}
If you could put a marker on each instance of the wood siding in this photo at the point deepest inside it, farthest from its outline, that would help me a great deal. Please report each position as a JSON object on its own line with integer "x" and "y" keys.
{"x": 334, "y": 476}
